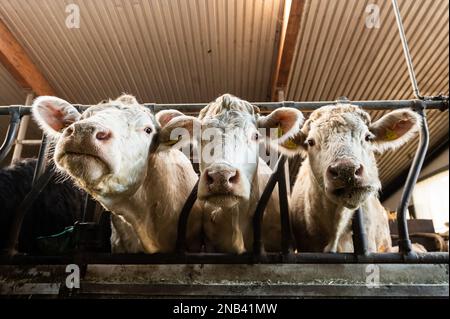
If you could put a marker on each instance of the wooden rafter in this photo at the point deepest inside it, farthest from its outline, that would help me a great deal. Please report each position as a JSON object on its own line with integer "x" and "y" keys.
{"x": 288, "y": 40}
{"x": 19, "y": 64}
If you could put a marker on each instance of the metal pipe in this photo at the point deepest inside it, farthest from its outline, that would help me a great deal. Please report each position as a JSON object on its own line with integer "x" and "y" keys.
{"x": 88, "y": 209}
{"x": 180, "y": 245}
{"x": 11, "y": 134}
{"x": 258, "y": 245}
{"x": 42, "y": 161}
{"x": 359, "y": 233}
{"x": 215, "y": 258}
{"x": 404, "y": 242}
{"x": 286, "y": 237}
{"x": 401, "y": 30}
{"x": 440, "y": 102}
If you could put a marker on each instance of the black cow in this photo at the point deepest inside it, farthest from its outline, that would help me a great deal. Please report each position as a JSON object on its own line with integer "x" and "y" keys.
{"x": 59, "y": 205}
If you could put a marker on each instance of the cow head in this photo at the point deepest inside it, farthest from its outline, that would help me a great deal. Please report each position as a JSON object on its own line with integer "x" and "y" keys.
{"x": 340, "y": 143}
{"x": 232, "y": 130}
{"x": 105, "y": 149}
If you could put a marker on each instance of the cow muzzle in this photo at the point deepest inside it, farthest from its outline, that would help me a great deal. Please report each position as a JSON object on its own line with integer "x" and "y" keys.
{"x": 221, "y": 181}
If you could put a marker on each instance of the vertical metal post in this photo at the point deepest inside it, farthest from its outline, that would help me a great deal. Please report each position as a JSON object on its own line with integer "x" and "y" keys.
{"x": 17, "y": 154}
{"x": 42, "y": 161}
{"x": 359, "y": 233}
{"x": 424, "y": 138}
{"x": 286, "y": 239}
{"x": 10, "y": 134}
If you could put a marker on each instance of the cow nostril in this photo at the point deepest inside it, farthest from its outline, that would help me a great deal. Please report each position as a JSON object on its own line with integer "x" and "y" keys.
{"x": 103, "y": 135}
{"x": 209, "y": 178}
{"x": 333, "y": 171}
{"x": 69, "y": 131}
{"x": 234, "y": 178}
{"x": 359, "y": 171}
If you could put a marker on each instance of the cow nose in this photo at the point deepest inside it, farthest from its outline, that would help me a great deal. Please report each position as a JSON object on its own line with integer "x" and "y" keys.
{"x": 221, "y": 179}
{"x": 345, "y": 171}
{"x": 225, "y": 176}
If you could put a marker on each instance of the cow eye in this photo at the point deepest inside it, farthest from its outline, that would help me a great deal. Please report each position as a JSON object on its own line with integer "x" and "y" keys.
{"x": 310, "y": 142}
{"x": 255, "y": 136}
{"x": 369, "y": 137}
{"x": 148, "y": 130}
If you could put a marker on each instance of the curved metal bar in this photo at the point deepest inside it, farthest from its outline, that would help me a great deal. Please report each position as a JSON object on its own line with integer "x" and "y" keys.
{"x": 11, "y": 135}
{"x": 424, "y": 139}
{"x": 180, "y": 246}
{"x": 258, "y": 245}
{"x": 359, "y": 234}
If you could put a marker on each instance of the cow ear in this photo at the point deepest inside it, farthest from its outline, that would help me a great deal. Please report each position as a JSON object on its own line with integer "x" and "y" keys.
{"x": 54, "y": 114}
{"x": 282, "y": 128}
{"x": 395, "y": 129}
{"x": 164, "y": 117}
{"x": 179, "y": 131}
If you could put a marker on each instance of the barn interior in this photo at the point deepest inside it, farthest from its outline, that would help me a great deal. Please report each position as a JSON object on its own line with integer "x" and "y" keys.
{"x": 175, "y": 52}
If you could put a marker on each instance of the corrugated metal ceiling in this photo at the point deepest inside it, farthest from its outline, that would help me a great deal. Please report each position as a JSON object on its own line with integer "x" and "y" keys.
{"x": 162, "y": 51}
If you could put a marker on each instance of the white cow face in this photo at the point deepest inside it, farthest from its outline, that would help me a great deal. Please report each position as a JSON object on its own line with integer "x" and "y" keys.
{"x": 106, "y": 148}
{"x": 231, "y": 133}
{"x": 340, "y": 143}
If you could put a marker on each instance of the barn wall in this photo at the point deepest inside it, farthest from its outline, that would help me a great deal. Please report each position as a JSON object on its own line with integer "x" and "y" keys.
{"x": 438, "y": 163}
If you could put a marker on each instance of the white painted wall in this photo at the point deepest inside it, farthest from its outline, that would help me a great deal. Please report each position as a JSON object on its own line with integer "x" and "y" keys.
{"x": 441, "y": 161}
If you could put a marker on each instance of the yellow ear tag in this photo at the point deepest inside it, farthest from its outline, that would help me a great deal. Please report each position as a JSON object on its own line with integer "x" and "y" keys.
{"x": 390, "y": 135}
{"x": 289, "y": 143}
{"x": 279, "y": 131}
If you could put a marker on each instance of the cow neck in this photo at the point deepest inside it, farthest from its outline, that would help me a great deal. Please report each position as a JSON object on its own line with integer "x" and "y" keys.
{"x": 154, "y": 208}
{"x": 330, "y": 218}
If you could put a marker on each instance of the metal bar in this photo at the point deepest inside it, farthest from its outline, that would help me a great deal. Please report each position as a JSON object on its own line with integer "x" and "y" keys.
{"x": 21, "y": 211}
{"x": 22, "y": 131}
{"x": 11, "y": 134}
{"x": 359, "y": 233}
{"x": 88, "y": 209}
{"x": 404, "y": 242}
{"x": 42, "y": 161}
{"x": 286, "y": 237}
{"x": 439, "y": 102}
{"x": 401, "y": 30}
{"x": 180, "y": 245}
{"x": 28, "y": 142}
{"x": 214, "y": 258}
{"x": 258, "y": 245}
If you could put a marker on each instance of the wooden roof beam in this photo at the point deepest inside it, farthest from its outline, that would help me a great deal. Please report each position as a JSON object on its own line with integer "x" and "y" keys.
{"x": 19, "y": 64}
{"x": 293, "y": 11}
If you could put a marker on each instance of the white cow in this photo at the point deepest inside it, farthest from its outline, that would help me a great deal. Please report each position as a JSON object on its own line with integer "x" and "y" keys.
{"x": 233, "y": 175}
{"x": 117, "y": 153}
{"x": 340, "y": 174}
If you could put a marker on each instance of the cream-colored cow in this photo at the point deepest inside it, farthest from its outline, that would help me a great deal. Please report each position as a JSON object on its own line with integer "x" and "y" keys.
{"x": 115, "y": 152}
{"x": 340, "y": 174}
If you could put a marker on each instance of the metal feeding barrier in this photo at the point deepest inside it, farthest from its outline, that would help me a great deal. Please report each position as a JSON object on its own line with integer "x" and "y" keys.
{"x": 360, "y": 255}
